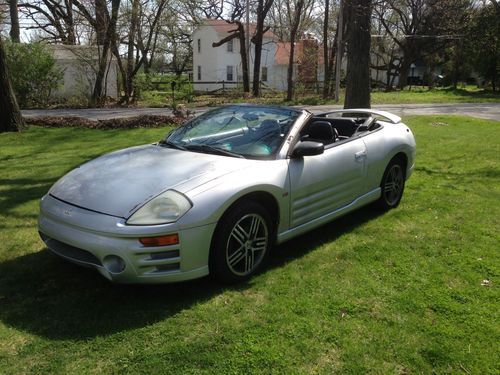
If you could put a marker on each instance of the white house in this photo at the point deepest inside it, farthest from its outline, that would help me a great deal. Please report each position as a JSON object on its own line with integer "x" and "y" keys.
{"x": 214, "y": 67}
{"x": 220, "y": 67}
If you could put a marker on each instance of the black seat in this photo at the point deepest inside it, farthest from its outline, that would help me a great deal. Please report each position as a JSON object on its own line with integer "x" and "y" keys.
{"x": 345, "y": 126}
{"x": 322, "y": 131}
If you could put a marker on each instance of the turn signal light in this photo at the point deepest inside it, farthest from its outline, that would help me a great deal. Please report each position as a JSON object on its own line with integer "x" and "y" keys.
{"x": 169, "y": 239}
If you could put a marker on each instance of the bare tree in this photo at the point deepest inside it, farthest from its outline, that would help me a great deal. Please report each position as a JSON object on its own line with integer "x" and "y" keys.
{"x": 262, "y": 9}
{"x": 109, "y": 39}
{"x": 11, "y": 119}
{"x": 239, "y": 32}
{"x": 298, "y": 7}
{"x": 358, "y": 54}
{"x": 420, "y": 27}
{"x": 15, "y": 33}
{"x": 54, "y": 17}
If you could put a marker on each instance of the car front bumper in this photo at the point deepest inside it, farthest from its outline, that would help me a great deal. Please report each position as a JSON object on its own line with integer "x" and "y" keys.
{"x": 105, "y": 243}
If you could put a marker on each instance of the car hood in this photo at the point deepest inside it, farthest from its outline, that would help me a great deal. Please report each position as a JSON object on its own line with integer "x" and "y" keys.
{"x": 120, "y": 182}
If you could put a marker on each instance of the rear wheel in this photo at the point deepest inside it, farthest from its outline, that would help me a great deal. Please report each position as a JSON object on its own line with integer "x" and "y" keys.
{"x": 392, "y": 185}
{"x": 241, "y": 244}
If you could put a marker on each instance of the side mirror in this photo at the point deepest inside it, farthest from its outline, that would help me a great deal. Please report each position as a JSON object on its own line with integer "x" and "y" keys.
{"x": 308, "y": 148}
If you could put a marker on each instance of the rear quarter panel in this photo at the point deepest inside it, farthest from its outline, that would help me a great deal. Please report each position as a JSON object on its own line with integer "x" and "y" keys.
{"x": 382, "y": 145}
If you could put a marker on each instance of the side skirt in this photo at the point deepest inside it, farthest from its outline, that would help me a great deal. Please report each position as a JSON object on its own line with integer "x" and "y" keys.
{"x": 358, "y": 202}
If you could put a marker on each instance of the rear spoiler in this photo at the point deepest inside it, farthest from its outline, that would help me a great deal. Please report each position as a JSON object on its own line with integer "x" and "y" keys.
{"x": 387, "y": 115}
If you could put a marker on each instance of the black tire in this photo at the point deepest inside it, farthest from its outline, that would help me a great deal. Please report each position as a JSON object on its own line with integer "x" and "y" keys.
{"x": 392, "y": 185}
{"x": 241, "y": 243}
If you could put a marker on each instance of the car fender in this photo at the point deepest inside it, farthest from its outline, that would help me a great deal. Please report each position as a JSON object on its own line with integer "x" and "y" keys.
{"x": 211, "y": 200}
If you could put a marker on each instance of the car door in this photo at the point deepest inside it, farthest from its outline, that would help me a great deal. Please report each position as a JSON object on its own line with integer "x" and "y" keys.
{"x": 323, "y": 183}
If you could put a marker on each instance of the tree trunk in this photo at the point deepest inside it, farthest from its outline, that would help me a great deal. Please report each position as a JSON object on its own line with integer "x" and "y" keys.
{"x": 326, "y": 59}
{"x": 404, "y": 70}
{"x": 98, "y": 93}
{"x": 257, "y": 58}
{"x": 293, "y": 34}
{"x": 100, "y": 21}
{"x": 358, "y": 54}
{"x": 10, "y": 118}
{"x": 244, "y": 58}
{"x": 14, "y": 33}
{"x": 262, "y": 10}
{"x": 70, "y": 23}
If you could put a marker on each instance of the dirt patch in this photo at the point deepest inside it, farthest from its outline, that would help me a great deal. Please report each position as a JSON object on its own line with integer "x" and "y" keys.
{"x": 146, "y": 121}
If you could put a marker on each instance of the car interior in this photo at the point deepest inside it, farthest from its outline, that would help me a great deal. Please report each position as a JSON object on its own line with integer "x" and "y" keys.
{"x": 332, "y": 130}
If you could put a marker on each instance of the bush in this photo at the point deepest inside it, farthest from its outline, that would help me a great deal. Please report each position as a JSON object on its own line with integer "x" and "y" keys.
{"x": 33, "y": 73}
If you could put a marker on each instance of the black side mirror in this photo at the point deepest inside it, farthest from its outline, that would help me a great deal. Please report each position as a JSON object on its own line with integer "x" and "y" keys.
{"x": 308, "y": 148}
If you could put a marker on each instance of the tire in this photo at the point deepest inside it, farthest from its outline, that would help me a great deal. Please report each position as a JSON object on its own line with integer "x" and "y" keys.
{"x": 392, "y": 185}
{"x": 241, "y": 243}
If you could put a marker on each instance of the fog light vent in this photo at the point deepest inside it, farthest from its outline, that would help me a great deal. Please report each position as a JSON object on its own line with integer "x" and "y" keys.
{"x": 168, "y": 267}
{"x": 114, "y": 264}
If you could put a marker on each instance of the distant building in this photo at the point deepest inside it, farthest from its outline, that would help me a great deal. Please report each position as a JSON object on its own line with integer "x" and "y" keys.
{"x": 220, "y": 67}
{"x": 79, "y": 64}
{"x": 217, "y": 67}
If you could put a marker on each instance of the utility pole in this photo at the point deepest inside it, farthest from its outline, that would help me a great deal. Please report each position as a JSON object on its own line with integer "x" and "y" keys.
{"x": 340, "y": 25}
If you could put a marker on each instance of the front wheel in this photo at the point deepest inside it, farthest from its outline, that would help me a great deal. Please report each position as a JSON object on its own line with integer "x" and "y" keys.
{"x": 392, "y": 185}
{"x": 241, "y": 244}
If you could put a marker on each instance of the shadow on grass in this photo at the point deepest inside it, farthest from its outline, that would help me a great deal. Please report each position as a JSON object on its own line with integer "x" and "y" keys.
{"x": 46, "y": 296}
{"x": 484, "y": 94}
{"x": 22, "y": 190}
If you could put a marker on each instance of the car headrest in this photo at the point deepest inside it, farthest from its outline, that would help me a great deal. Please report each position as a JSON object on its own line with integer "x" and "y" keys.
{"x": 321, "y": 130}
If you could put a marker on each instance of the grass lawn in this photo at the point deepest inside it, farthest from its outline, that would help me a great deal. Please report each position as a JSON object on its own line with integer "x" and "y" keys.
{"x": 399, "y": 292}
{"x": 415, "y": 95}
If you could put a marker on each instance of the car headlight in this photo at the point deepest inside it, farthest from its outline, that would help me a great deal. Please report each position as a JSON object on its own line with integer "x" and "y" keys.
{"x": 168, "y": 207}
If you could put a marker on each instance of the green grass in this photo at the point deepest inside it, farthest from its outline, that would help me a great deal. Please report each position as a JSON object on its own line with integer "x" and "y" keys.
{"x": 415, "y": 95}
{"x": 439, "y": 95}
{"x": 369, "y": 293}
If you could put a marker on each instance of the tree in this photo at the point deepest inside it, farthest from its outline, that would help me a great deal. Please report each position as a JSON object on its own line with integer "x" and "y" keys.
{"x": 108, "y": 40}
{"x": 358, "y": 54}
{"x": 15, "y": 34}
{"x": 11, "y": 119}
{"x": 484, "y": 42}
{"x": 421, "y": 27}
{"x": 298, "y": 7}
{"x": 239, "y": 32}
{"x": 263, "y": 7}
{"x": 54, "y": 17}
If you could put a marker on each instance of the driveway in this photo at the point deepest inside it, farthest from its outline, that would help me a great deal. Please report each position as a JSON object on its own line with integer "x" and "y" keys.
{"x": 490, "y": 111}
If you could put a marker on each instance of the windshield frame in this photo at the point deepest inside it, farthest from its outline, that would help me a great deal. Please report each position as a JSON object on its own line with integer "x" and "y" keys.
{"x": 294, "y": 115}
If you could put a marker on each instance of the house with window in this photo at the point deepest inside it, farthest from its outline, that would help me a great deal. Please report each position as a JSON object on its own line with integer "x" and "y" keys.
{"x": 220, "y": 67}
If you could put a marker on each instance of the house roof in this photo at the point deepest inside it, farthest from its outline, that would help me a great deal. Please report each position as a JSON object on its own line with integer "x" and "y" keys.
{"x": 223, "y": 27}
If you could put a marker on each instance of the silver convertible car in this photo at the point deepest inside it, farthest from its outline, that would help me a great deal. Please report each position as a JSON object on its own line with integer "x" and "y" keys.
{"x": 217, "y": 193}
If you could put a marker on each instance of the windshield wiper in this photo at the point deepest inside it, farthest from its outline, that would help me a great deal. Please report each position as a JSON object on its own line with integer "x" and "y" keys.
{"x": 212, "y": 150}
{"x": 164, "y": 142}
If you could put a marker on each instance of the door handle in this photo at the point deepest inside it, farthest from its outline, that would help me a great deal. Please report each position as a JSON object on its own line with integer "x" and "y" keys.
{"x": 360, "y": 155}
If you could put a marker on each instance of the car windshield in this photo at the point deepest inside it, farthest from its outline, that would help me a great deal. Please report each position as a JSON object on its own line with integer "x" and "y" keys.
{"x": 241, "y": 131}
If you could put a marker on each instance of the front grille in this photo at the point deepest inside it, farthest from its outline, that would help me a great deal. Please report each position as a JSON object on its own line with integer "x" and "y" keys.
{"x": 69, "y": 251}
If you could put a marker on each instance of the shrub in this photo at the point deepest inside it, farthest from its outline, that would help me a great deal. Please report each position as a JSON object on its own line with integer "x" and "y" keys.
{"x": 33, "y": 72}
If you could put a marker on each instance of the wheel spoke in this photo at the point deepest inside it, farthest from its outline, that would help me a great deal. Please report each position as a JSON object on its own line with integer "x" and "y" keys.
{"x": 237, "y": 256}
{"x": 239, "y": 234}
{"x": 389, "y": 186}
{"x": 249, "y": 261}
{"x": 258, "y": 247}
{"x": 254, "y": 227}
